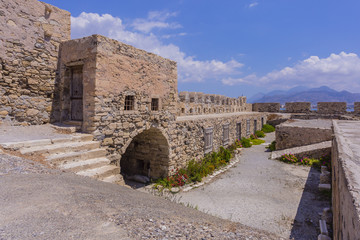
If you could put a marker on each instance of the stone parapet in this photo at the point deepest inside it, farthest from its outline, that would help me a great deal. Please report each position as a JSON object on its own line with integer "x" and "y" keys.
{"x": 31, "y": 32}
{"x": 331, "y": 107}
{"x": 357, "y": 108}
{"x": 297, "y": 107}
{"x": 266, "y": 107}
{"x": 296, "y": 133}
{"x": 346, "y": 180}
{"x": 197, "y": 103}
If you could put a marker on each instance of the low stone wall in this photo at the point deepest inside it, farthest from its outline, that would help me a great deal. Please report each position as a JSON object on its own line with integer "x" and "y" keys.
{"x": 331, "y": 107}
{"x": 297, "y": 107}
{"x": 346, "y": 180}
{"x": 296, "y": 133}
{"x": 266, "y": 107}
{"x": 30, "y": 34}
{"x": 357, "y": 108}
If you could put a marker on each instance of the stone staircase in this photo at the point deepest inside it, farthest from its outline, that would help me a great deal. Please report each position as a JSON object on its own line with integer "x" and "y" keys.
{"x": 76, "y": 153}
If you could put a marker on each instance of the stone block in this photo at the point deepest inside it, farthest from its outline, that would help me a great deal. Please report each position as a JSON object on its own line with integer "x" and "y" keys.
{"x": 324, "y": 187}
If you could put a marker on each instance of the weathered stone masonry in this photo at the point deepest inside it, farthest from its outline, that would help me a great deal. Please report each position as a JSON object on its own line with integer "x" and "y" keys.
{"x": 30, "y": 34}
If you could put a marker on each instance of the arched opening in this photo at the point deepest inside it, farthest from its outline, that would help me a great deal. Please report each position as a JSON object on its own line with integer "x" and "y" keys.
{"x": 147, "y": 155}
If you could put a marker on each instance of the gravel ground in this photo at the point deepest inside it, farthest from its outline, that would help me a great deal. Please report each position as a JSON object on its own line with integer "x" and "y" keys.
{"x": 265, "y": 194}
{"x": 41, "y": 203}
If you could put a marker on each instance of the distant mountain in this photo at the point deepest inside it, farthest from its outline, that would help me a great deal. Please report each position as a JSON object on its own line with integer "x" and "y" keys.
{"x": 303, "y": 94}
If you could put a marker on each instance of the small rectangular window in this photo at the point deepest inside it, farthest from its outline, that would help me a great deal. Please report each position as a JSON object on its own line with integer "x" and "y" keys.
{"x": 154, "y": 104}
{"x": 129, "y": 103}
{"x": 262, "y": 122}
{"x": 255, "y": 126}
{"x": 226, "y": 134}
{"x": 247, "y": 127}
{"x": 208, "y": 137}
{"x": 238, "y": 130}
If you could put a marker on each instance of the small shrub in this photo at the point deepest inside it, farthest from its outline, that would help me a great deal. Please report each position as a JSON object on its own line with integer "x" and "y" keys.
{"x": 257, "y": 141}
{"x": 260, "y": 134}
{"x": 245, "y": 142}
{"x": 289, "y": 158}
{"x": 253, "y": 136}
{"x": 315, "y": 163}
{"x": 272, "y": 146}
{"x": 326, "y": 160}
{"x": 267, "y": 128}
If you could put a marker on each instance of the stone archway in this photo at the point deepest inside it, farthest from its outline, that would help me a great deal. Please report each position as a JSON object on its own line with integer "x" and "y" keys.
{"x": 147, "y": 155}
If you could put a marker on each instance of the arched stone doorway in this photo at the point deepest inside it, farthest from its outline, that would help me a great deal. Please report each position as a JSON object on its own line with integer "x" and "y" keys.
{"x": 147, "y": 155}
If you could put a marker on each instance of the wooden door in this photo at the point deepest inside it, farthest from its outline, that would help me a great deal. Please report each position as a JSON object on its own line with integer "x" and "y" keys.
{"x": 76, "y": 95}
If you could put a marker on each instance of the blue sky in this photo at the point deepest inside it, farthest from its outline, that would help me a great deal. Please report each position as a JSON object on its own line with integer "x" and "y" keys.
{"x": 236, "y": 47}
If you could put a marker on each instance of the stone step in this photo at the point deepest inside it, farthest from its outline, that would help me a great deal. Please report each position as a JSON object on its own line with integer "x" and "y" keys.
{"x": 118, "y": 179}
{"x": 44, "y": 142}
{"x": 85, "y": 164}
{"x": 61, "y": 148}
{"x": 100, "y": 172}
{"x": 59, "y": 158}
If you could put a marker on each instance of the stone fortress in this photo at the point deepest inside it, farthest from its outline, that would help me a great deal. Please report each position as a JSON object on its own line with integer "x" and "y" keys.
{"x": 125, "y": 97}
{"x": 127, "y": 100}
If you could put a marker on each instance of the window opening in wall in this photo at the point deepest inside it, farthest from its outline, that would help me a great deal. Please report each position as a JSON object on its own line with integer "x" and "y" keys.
{"x": 154, "y": 104}
{"x": 226, "y": 134}
{"x": 238, "y": 130}
{"x": 129, "y": 103}
{"x": 208, "y": 137}
{"x": 247, "y": 127}
{"x": 191, "y": 110}
{"x": 262, "y": 122}
{"x": 255, "y": 126}
{"x": 183, "y": 110}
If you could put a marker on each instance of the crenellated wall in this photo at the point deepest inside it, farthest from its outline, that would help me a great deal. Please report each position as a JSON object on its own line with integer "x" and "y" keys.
{"x": 297, "y": 107}
{"x": 357, "y": 108}
{"x": 30, "y": 34}
{"x": 331, "y": 107}
{"x": 195, "y": 103}
{"x": 266, "y": 107}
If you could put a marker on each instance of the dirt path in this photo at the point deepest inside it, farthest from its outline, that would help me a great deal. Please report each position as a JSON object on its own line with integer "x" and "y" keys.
{"x": 40, "y": 203}
{"x": 265, "y": 194}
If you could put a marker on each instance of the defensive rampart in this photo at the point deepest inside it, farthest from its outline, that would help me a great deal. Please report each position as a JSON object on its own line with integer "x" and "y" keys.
{"x": 30, "y": 34}
{"x": 298, "y": 107}
{"x": 195, "y": 103}
{"x": 266, "y": 107}
{"x": 346, "y": 180}
{"x": 331, "y": 107}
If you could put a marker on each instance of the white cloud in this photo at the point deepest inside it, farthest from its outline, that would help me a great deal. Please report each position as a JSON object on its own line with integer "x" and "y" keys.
{"x": 338, "y": 71}
{"x": 156, "y": 19}
{"x": 253, "y": 4}
{"x": 189, "y": 68}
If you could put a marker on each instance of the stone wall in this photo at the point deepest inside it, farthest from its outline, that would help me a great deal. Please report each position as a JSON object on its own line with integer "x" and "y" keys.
{"x": 30, "y": 34}
{"x": 346, "y": 180}
{"x": 357, "y": 108}
{"x": 195, "y": 103}
{"x": 296, "y": 133}
{"x": 298, "y": 107}
{"x": 266, "y": 107}
{"x": 188, "y": 132}
{"x": 331, "y": 107}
